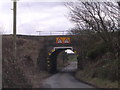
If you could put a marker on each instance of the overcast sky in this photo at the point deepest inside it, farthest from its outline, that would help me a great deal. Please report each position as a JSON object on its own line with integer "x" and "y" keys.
{"x": 34, "y": 16}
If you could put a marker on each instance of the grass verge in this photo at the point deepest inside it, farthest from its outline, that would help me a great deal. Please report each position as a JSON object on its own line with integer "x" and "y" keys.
{"x": 97, "y": 82}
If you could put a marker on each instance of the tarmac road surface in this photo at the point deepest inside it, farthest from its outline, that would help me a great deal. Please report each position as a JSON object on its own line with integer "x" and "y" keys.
{"x": 64, "y": 79}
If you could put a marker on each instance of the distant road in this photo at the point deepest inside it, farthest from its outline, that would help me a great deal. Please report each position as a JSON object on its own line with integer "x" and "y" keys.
{"x": 64, "y": 79}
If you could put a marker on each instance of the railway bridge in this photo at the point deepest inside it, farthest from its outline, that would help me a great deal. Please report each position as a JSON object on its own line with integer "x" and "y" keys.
{"x": 52, "y": 46}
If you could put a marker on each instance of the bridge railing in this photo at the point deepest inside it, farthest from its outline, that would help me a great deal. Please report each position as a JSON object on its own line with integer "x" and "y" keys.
{"x": 46, "y": 33}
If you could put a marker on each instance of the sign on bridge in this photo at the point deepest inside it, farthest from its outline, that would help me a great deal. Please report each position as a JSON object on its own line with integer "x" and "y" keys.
{"x": 62, "y": 40}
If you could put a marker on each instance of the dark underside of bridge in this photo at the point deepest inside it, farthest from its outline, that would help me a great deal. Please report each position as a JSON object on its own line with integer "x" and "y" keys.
{"x": 53, "y": 60}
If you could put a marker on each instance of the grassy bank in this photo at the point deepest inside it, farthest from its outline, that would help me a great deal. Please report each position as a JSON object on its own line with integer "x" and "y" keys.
{"x": 101, "y": 75}
{"x": 22, "y": 72}
{"x": 97, "y": 82}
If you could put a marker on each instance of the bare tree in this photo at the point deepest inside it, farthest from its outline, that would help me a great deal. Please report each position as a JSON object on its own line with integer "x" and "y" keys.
{"x": 118, "y": 47}
{"x": 118, "y": 3}
{"x": 100, "y": 17}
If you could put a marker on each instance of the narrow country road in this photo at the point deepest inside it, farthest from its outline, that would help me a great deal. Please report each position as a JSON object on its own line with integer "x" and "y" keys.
{"x": 64, "y": 79}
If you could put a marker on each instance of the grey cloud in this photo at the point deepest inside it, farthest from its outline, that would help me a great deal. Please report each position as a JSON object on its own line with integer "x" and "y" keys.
{"x": 27, "y": 28}
{"x": 6, "y": 7}
{"x": 36, "y": 6}
{"x": 31, "y": 16}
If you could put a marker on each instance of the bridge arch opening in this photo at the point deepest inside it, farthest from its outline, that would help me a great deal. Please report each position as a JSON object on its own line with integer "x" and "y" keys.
{"x": 52, "y": 61}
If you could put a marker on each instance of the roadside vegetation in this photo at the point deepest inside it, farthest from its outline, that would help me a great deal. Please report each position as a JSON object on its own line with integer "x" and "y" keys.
{"x": 64, "y": 59}
{"x": 72, "y": 57}
{"x": 97, "y": 23}
{"x": 22, "y": 72}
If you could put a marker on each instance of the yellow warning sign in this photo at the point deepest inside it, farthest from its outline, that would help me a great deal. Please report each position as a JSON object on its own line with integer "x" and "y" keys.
{"x": 49, "y": 53}
{"x": 75, "y": 51}
{"x": 59, "y": 40}
{"x": 63, "y": 40}
{"x": 52, "y": 50}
